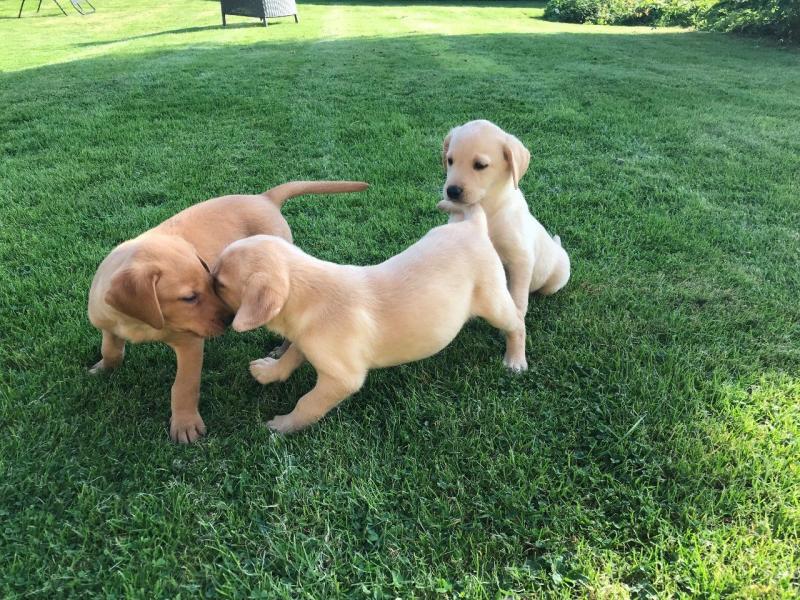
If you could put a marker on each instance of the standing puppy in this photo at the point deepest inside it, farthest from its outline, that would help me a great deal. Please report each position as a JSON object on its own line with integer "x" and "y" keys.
{"x": 157, "y": 287}
{"x": 484, "y": 165}
{"x": 346, "y": 320}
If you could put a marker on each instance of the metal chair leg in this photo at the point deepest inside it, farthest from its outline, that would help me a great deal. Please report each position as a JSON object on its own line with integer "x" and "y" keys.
{"x": 60, "y": 7}
{"x": 77, "y": 6}
{"x": 296, "y": 20}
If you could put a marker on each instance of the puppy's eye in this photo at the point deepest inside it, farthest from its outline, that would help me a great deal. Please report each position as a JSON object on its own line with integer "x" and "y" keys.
{"x": 479, "y": 166}
{"x": 450, "y": 160}
{"x": 189, "y": 299}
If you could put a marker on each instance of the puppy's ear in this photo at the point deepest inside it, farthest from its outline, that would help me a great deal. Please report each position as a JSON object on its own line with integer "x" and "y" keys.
{"x": 204, "y": 263}
{"x": 446, "y": 147}
{"x": 518, "y": 158}
{"x": 262, "y": 300}
{"x": 133, "y": 293}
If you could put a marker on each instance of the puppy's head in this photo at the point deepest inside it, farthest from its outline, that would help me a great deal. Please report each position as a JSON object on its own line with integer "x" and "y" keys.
{"x": 165, "y": 284}
{"x": 252, "y": 278}
{"x": 481, "y": 159}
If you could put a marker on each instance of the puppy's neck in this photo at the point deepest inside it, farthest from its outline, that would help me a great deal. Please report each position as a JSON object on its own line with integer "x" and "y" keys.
{"x": 498, "y": 197}
{"x": 313, "y": 285}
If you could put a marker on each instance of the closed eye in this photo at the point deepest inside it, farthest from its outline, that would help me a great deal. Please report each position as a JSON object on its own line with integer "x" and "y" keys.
{"x": 479, "y": 166}
{"x": 189, "y": 299}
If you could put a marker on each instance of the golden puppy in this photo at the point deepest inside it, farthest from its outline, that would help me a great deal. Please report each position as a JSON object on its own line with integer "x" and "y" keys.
{"x": 484, "y": 165}
{"x": 346, "y": 320}
{"x": 157, "y": 287}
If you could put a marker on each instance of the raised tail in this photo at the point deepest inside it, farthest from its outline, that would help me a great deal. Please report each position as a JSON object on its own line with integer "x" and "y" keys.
{"x": 281, "y": 193}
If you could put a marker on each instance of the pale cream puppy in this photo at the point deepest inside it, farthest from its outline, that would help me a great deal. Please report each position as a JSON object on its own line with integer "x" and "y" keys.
{"x": 158, "y": 287}
{"x": 346, "y": 320}
{"x": 484, "y": 165}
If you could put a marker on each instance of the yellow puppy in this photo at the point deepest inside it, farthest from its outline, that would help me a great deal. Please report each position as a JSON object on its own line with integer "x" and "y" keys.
{"x": 346, "y": 320}
{"x": 484, "y": 165}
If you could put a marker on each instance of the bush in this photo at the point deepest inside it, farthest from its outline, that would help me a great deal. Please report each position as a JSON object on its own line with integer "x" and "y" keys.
{"x": 780, "y": 18}
{"x": 623, "y": 12}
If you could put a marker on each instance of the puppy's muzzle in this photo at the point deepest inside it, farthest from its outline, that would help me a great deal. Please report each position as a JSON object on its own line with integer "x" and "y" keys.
{"x": 454, "y": 192}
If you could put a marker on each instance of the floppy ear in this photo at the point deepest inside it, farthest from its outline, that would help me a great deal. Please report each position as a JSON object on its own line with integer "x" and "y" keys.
{"x": 262, "y": 300}
{"x": 204, "y": 263}
{"x": 446, "y": 147}
{"x": 133, "y": 293}
{"x": 518, "y": 158}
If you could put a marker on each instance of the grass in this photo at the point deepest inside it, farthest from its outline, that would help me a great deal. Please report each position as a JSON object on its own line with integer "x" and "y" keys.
{"x": 650, "y": 451}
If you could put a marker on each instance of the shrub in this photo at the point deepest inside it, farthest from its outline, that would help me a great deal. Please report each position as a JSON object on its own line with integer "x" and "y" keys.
{"x": 779, "y": 18}
{"x": 623, "y": 12}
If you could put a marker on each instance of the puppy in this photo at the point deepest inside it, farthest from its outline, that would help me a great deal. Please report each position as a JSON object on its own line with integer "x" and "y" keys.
{"x": 157, "y": 287}
{"x": 484, "y": 165}
{"x": 346, "y": 320}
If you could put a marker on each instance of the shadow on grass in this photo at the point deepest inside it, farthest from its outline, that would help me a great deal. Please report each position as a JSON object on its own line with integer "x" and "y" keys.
{"x": 179, "y": 32}
{"x": 601, "y": 445}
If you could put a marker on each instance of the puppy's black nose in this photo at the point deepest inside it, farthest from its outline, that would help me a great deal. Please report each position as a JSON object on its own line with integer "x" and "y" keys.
{"x": 454, "y": 192}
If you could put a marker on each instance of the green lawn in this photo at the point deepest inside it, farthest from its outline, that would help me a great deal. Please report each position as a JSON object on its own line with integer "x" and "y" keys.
{"x": 651, "y": 450}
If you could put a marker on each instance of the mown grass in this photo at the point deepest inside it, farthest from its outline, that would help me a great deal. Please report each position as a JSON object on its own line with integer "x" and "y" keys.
{"x": 650, "y": 451}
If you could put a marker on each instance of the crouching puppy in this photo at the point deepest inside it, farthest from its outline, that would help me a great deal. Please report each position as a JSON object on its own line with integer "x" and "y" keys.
{"x": 346, "y": 320}
{"x": 484, "y": 166}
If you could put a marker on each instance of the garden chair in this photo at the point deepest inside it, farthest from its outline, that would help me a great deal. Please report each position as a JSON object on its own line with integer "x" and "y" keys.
{"x": 261, "y": 9}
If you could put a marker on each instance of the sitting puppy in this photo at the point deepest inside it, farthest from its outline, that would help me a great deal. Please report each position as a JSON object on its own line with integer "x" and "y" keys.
{"x": 157, "y": 287}
{"x": 346, "y": 320}
{"x": 484, "y": 165}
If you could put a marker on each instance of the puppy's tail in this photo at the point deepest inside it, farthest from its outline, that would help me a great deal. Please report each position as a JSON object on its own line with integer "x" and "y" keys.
{"x": 281, "y": 193}
{"x": 557, "y": 239}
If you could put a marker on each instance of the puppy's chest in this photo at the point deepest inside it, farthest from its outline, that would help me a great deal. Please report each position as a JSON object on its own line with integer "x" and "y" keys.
{"x": 136, "y": 333}
{"x": 509, "y": 239}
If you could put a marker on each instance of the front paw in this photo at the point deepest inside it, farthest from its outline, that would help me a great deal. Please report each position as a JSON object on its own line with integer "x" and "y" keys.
{"x": 264, "y": 370}
{"x": 515, "y": 364}
{"x": 185, "y": 429}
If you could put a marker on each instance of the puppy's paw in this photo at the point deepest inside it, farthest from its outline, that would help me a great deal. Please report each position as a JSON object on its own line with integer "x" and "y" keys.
{"x": 186, "y": 428}
{"x": 101, "y": 366}
{"x": 264, "y": 371}
{"x": 283, "y": 424}
{"x": 98, "y": 368}
{"x": 515, "y": 364}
